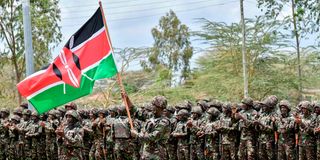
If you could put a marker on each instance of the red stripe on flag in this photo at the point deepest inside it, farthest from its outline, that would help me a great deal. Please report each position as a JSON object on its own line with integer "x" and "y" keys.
{"x": 91, "y": 52}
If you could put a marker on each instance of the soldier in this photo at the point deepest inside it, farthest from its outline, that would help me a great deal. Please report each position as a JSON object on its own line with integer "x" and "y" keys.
{"x": 285, "y": 128}
{"x": 50, "y": 126}
{"x": 172, "y": 143}
{"x": 247, "y": 129}
{"x": 110, "y": 134}
{"x": 24, "y": 143}
{"x": 99, "y": 131}
{"x": 266, "y": 128}
{"x": 4, "y": 133}
{"x": 211, "y": 134}
{"x": 195, "y": 124}
{"x": 181, "y": 134}
{"x": 317, "y": 129}
{"x": 13, "y": 138}
{"x": 157, "y": 133}
{"x": 72, "y": 136}
{"x": 305, "y": 125}
{"x": 125, "y": 145}
{"x": 228, "y": 127}
{"x": 88, "y": 133}
{"x": 33, "y": 133}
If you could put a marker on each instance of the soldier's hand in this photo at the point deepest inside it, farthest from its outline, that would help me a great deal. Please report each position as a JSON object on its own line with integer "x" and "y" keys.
{"x": 297, "y": 120}
{"x": 134, "y": 133}
{"x": 189, "y": 124}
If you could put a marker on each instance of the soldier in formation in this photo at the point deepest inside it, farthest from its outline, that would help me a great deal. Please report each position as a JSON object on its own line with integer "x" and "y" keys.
{"x": 255, "y": 130}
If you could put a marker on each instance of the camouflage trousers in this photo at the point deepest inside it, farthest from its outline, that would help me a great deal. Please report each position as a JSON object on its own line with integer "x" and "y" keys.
{"x": 212, "y": 152}
{"x": 183, "y": 151}
{"x": 246, "y": 150}
{"x": 172, "y": 150}
{"x": 196, "y": 151}
{"x": 3, "y": 149}
{"x": 228, "y": 152}
{"x": 266, "y": 151}
{"x": 286, "y": 151}
{"x": 13, "y": 150}
{"x": 98, "y": 150}
{"x": 307, "y": 153}
{"x": 51, "y": 149}
{"x": 70, "y": 153}
{"x": 124, "y": 149}
{"x": 318, "y": 147}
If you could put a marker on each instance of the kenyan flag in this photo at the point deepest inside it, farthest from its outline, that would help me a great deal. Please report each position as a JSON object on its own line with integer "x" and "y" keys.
{"x": 86, "y": 57}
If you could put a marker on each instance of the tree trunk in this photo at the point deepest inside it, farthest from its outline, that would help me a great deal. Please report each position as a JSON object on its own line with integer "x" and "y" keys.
{"x": 244, "y": 61}
{"x": 296, "y": 34}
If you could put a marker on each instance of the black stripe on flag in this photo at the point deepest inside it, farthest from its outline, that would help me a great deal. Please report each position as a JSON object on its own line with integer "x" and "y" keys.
{"x": 94, "y": 24}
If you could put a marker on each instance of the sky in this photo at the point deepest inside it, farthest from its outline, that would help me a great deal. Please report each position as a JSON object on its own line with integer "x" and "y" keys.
{"x": 130, "y": 21}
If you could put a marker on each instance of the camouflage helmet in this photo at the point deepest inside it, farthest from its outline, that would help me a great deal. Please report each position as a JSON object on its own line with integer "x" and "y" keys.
{"x": 16, "y": 118}
{"x": 203, "y": 104}
{"x": 305, "y": 104}
{"x": 196, "y": 109}
{"x": 62, "y": 110}
{"x": 71, "y": 105}
{"x": 26, "y": 112}
{"x": 285, "y": 103}
{"x": 247, "y": 101}
{"x": 159, "y": 102}
{"x": 273, "y": 100}
{"x": 183, "y": 112}
{"x": 227, "y": 106}
{"x": 74, "y": 114}
{"x": 24, "y": 105}
{"x": 34, "y": 114}
{"x": 213, "y": 111}
{"x": 171, "y": 109}
{"x": 17, "y": 111}
{"x": 5, "y": 110}
{"x": 316, "y": 105}
{"x": 112, "y": 109}
{"x": 53, "y": 113}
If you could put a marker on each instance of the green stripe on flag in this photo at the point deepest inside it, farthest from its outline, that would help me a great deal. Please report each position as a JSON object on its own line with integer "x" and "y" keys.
{"x": 54, "y": 96}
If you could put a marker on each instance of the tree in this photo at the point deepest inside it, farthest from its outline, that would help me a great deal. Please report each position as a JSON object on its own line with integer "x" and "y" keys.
{"x": 304, "y": 19}
{"x": 46, "y": 34}
{"x": 172, "y": 48}
{"x": 268, "y": 69}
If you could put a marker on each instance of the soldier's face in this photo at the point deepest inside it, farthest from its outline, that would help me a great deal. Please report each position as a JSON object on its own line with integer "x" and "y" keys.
{"x": 284, "y": 111}
{"x": 317, "y": 110}
{"x": 305, "y": 110}
{"x": 70, "y": 119}
{"x": 25, "y": 117}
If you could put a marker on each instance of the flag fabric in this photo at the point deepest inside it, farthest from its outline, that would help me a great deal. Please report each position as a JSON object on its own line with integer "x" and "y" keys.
{"x": 86, "y": 57}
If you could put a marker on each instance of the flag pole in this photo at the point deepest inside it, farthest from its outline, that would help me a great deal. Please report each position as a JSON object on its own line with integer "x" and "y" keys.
{"x": 119, "y": 79}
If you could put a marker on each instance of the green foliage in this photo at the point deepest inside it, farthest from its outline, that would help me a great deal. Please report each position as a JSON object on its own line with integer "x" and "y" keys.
{"x": 45, "y": 15}
{"x": 171, "y": 49}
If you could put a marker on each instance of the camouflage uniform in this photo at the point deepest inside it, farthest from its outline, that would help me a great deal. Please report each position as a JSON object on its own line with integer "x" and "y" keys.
{"x": 247, "y": 130}
{"x": 285, "y": 128}
{"x": 266, "y": 127}
{"x": 98, "y": 149}
{"x": 88, "y": 134}
{"x": 307, "y": 139}
{"x": 211, "y": 134}
{"x": 4, "y": 133}
{"x": 72, "y": 136}
{"x": 33, "y": 132}
{"x": 195, "y": 125}
{"x": 317, "y": 129}
{"x": 182, "y": 136}
{"x": 172, "y": 142}
{"x": 24, "y": 149}
{"x": 49, "y": 129}
{"x": 125, "y": 145}
{"x": 13, "y": 138}
{"x": 228, "y": 127}
{"x": 157, "y": 133}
